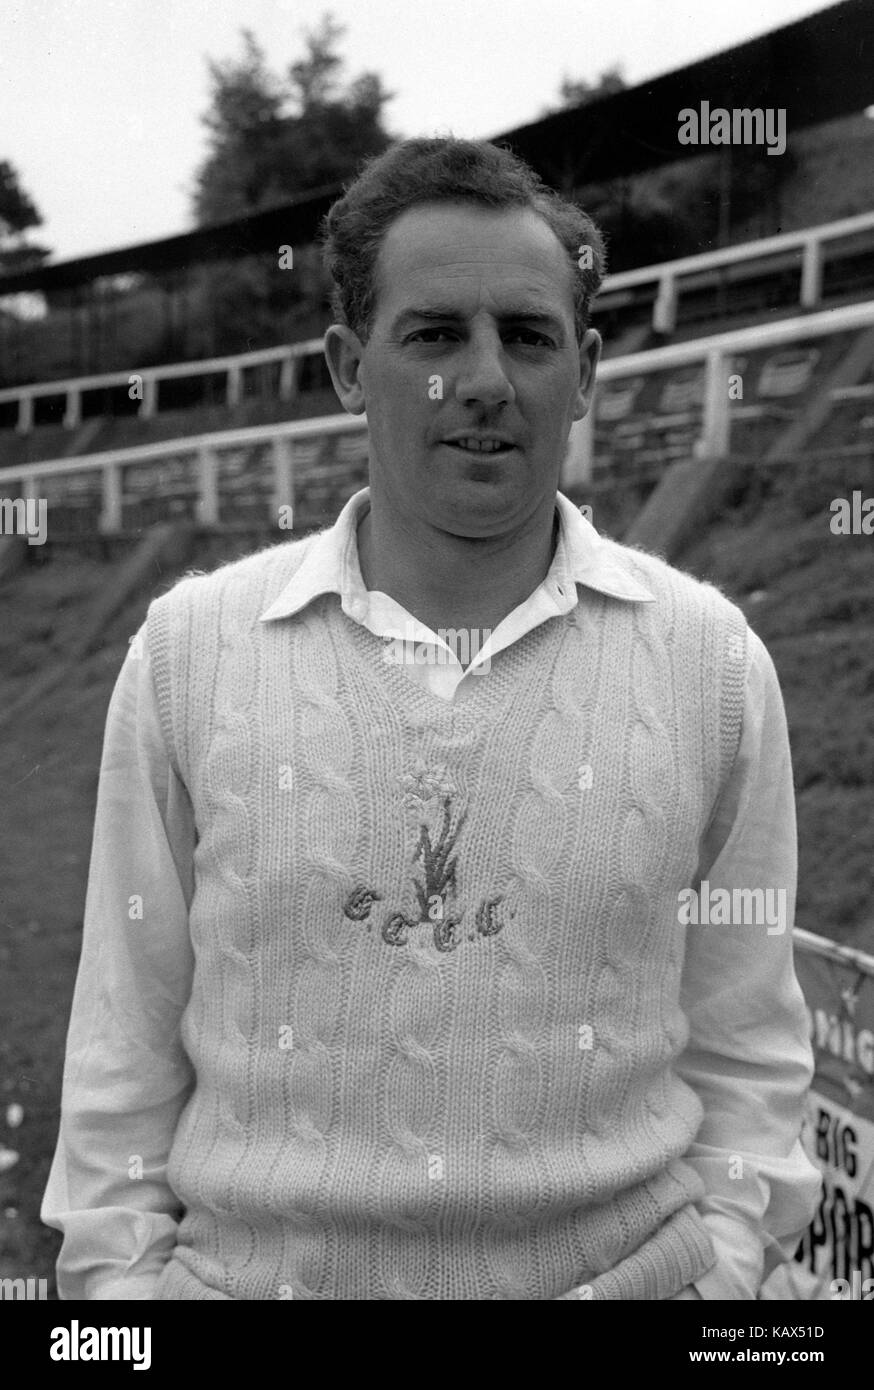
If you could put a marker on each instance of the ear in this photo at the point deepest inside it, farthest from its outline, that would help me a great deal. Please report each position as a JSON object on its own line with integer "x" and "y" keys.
{"x": 343, "y": 354}
{"x": 590, "y": 355}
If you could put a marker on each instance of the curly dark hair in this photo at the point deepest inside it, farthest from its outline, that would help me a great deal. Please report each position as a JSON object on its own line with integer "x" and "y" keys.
{"x": 443, "y": 170}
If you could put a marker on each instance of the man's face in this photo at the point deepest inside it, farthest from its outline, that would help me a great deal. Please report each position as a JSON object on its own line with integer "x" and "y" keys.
{"x": 472, "y": 343}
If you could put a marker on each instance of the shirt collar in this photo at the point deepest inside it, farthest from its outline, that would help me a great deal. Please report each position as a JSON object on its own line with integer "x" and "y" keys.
{"x": 331, "y": 566}
{"x": 584, "y": 557}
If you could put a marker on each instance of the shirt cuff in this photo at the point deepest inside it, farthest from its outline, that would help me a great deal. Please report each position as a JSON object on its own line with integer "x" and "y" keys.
{"x": 740, "y": 1259}
{"x": 112, "y": 1253}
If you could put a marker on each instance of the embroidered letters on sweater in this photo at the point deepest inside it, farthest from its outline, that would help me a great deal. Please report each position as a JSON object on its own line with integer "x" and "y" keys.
{"x": 429, "y": 794}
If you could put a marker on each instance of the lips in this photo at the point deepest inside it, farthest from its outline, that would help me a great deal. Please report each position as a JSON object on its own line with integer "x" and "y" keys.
{"x": 486, "y": 444}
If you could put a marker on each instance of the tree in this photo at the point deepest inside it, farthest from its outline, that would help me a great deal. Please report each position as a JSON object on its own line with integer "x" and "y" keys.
{"x": 314, "y": 78}
{"x": 18, "y": 214}
{"x": 243, "y": 122}
{"x": 579, "y": 92}
{"x": 274, "y": 138}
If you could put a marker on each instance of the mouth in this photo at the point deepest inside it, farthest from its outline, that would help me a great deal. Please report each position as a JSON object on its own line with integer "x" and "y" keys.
{"x": 486, "y": 444}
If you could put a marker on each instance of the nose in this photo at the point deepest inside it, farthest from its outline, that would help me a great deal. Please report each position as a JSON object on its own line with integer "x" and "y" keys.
{"x": 482, "y": 378}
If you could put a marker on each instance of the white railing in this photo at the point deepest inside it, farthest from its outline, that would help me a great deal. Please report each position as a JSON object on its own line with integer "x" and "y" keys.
{"x": 810, "y": 245}
{"x": 147, "y": 381}
{"x": 827, "y": 949}
{"x": 205, "y": 448}
{"x": 715, "y": 352}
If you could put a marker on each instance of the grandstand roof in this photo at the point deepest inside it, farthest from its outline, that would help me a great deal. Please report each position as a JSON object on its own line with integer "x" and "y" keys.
{"x": 817, "y": 69}
{"x": 292, "y": 222}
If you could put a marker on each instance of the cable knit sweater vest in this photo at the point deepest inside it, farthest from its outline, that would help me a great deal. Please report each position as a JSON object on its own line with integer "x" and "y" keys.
{"x": 435, "y": 1002}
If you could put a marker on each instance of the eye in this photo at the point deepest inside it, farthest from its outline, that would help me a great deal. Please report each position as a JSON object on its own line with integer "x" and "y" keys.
{"x": 430, "y": 335}
{"x": 529, "y": 337}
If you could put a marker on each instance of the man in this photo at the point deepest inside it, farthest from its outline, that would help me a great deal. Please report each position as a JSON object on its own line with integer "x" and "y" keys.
{"x": 408, "y": 1006}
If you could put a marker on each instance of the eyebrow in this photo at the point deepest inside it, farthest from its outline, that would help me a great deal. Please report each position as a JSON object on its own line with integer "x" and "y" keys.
{"x": 524, "y": 313}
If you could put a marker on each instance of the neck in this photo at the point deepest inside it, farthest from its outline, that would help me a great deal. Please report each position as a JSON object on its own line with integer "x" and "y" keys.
{"x": 451, "y": 581}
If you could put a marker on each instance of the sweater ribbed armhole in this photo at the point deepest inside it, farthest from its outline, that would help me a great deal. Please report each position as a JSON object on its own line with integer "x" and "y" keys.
{"x": 158, "y": 630}
{"x": 733, "y": 695}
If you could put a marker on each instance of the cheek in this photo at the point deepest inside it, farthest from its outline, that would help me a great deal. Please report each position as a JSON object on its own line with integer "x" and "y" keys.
{"x": 553, "y": 404}
{"x": 551, "y": 385}
{"x": 401, "y": 399}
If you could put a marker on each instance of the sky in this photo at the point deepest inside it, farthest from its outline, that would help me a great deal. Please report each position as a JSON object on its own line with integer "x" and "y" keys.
{"x": 100, "y": 100}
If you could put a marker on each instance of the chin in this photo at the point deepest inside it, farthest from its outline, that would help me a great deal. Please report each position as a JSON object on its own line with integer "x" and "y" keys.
{"x": 483, "y": 516}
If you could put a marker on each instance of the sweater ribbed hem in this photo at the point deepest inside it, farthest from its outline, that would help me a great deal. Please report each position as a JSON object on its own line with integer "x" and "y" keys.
{"x": 676, "y": 1255}
{"x": 661, "y": 1267}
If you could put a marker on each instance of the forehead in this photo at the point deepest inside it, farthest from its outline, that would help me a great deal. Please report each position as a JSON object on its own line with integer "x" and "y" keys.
{"x": 471, "y": 255}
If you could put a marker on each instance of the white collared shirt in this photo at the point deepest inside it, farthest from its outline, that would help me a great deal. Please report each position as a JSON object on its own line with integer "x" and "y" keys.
{"x": 331, "y": 566}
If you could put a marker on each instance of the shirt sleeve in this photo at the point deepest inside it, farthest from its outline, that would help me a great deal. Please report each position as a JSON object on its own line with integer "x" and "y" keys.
{"x": 127, "y": 1077}
{"x": 748, "y": 1056}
